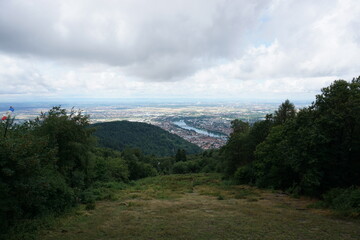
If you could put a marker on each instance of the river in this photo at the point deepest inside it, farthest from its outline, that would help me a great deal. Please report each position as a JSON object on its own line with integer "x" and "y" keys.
{"x": 183, "y": 125}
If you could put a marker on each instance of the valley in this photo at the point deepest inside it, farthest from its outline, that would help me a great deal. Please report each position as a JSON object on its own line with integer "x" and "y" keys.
{"x": 212, "y": 120}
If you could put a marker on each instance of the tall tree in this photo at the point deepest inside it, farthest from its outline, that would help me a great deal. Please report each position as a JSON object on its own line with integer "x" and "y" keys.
{"x": 338, "y": 118}
{"x": 236, "y": 151}
{"x": 285, "y": 112}
{"x": 180, "y": 155}
{"x": 70, "y": 134}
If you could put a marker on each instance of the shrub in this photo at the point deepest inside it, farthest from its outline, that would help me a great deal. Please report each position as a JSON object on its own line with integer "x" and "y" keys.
{"x": 186, "y": 167}
{"x": 346, "y": 201}
{"x": 90, "y": 206}
{"x": 244, "y": 175}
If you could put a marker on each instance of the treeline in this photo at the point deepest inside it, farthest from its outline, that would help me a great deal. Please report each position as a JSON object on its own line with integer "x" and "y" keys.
{"x": 313, "y": 151}
{"x": 181, "y": 163}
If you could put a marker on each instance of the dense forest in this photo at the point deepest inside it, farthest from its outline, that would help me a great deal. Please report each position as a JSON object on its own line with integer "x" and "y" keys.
{"x": 314, "y": 151}
{"x": 309, "y": 151}
{"x": 53, "y": 163}
{"x": 152, "y": 140}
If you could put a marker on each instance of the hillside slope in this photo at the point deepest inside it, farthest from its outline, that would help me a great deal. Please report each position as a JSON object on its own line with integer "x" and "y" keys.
{"x": 173, "y": 207}
{"x": 149, "y": 138}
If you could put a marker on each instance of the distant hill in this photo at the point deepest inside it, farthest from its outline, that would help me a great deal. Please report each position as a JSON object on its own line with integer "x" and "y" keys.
{"x": 149, "y": 138}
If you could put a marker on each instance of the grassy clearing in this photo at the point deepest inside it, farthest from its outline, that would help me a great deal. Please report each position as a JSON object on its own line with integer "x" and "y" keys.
{"x": 200, "y": 206}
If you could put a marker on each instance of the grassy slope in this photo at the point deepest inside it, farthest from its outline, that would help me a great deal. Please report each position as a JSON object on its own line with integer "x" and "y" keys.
{"x": 201, "y": 207}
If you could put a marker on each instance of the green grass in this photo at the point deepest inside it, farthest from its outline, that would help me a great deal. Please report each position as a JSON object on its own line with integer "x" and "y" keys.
{"x": 189, "y": 207}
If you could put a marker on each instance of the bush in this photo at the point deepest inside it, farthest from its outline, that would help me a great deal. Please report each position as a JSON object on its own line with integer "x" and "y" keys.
{"x": 346, "y": 201}
{"x": 111, "y": 169}
{"x": 90, "y": 206}
{"x": 186, "y": 167}
{"x": 180, "y": 168}
{"x": 244, "y": 175}
{"x": 87, "y": 196}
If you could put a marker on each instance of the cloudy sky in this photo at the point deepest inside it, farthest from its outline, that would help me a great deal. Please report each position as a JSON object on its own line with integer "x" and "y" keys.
{"x": 241, "y": 49}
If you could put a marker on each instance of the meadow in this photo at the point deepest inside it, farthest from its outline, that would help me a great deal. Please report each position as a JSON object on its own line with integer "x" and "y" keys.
{"x": 200, "y": 206}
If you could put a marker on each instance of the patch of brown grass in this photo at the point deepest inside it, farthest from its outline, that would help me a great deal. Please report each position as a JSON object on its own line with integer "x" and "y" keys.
{"x": 164, "y": 209}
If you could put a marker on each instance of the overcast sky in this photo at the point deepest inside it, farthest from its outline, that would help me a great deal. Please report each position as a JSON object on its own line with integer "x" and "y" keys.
{"x": 253, "y": 49}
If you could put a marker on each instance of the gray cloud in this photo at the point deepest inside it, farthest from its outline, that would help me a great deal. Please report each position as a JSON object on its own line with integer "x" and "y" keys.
{"x": 158, "y": 40}
{"x": 202, "y": 48}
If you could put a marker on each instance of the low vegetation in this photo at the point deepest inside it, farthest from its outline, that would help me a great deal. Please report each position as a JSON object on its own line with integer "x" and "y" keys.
{"x": 200, "y": 206}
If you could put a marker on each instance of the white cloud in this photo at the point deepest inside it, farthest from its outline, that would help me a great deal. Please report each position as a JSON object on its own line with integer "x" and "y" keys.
{"x": 161, "y": 42}
{"x": 216, "y": 48}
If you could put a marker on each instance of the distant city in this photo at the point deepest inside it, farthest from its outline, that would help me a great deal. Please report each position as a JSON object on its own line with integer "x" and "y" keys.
{"x": 207, "y": 125}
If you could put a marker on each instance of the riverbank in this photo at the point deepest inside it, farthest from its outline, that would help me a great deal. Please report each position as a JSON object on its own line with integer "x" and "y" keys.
{"x": 184, "y": 125}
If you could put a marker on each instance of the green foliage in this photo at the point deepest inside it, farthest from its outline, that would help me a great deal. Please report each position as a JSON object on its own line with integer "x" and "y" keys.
{"x": 186, "y": 167}
{"x": 242, "y": 143}
{"x": 245, "y": 175}
{"x": 220, "y": 197}
{"x": 138, "y": 164}
{"x": 180, "y": 155}
{"x": 337, "y": 112}
{"x": 285, "y": 112}
{"x": 236, "y": 151}
{"x": 90, "y": 206}
{"x": 69, "y": 134}
{"x": 271, "y": 168}
{"x": 310, "y": 152}
{"x": 29, "y": 180}
{"x": 52, "y": 163}
{"x": 345, "y": 201}
{"x": 180, "y": 168}
{"x": 152, "y": 140}
{"x": 239, "y": 126}
{"x": 207, "y": 162}
{"x": 110, "y": 166}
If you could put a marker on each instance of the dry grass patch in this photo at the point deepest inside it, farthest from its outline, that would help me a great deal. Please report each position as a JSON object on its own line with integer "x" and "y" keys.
{"x": 164, "y": 208}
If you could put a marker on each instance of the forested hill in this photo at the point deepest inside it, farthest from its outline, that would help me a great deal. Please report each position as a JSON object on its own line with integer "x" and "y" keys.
{"x": 149, "y": 138}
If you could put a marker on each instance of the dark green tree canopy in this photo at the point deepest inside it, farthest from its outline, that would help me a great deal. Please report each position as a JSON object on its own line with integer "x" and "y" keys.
{"x": 309, "y": 152}
{"x": 152, "y": 140}
{"x": 285, "y": 112}
{"x": 239, "y": 126}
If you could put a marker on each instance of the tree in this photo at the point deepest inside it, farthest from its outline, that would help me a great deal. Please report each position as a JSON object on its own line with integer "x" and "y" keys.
{"x": 236, "y": 151}
{"x": 70, "y": 134}
{"x": 30, "y": 184}
{"x": 285, "y": 112}
{"x": 138, "y": 164}
{"x": 110, "y": 166}
{"x": 239, "y": 126}
{"x": 338, "y": 119}
{"x": 319, "y": 149}
{"x": 180, "y": 155}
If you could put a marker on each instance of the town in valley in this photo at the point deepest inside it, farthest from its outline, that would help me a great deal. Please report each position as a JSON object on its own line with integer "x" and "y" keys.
{"x": 208, "y": 125}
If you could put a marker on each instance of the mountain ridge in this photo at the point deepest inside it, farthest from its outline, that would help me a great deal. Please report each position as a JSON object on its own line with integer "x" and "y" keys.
{"x": 151, "y": 139}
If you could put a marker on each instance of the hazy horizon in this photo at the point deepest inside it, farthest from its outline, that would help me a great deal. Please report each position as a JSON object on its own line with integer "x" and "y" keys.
{"x": 150, "y": 101}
